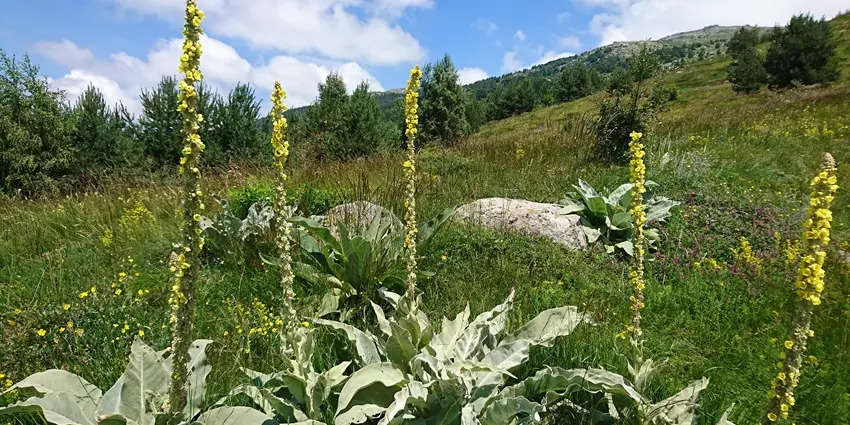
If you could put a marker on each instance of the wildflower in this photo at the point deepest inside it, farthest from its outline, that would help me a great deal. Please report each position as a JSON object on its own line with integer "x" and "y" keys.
{"x": 41, "y": 332}
{"x": 637, "y": 176}
{"x": 411, "y": 119}
{"x": 66, "y": 307}
{"x": 283, "y": 228}
{"x": 809, "y": 285}
{"x": 187, "y": 263}
{"x": 141, "y": 332}
{"x": 79, "y": 331}
{"x": 84, "y": 294}
{"x": 305, "y": 324}
{"x": 70, "y": 324}
{"x": 745, "y": 257}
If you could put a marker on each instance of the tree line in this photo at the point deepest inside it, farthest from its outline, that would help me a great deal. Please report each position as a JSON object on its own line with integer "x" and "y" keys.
{"x": 47, "y": 140}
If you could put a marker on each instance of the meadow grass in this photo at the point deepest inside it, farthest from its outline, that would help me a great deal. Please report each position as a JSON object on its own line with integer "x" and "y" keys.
{"x": 739, "y": 164}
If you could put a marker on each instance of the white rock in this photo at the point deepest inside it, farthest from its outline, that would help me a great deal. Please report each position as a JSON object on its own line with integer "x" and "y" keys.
{"x": 526, "y": 217}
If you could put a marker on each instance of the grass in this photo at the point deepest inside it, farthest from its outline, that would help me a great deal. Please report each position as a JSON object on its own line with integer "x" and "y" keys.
{"x": 740, "y": 164}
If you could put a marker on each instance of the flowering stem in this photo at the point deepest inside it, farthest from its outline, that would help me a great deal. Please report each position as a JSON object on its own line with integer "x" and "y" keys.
{"x": 186, "y": 264}
{"x": 411, "y": 118}
{"x": 283, "y": 228}
{"x": 809, "y": 285}
{"x": 637, "y": 176}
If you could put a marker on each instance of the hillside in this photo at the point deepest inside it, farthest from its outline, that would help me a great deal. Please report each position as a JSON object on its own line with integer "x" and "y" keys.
{"x": 673, "y": 51}
{"x": 739, "y": 164}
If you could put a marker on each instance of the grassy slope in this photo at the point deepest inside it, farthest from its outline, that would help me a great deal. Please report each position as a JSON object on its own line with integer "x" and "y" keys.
{"x": 743, "y": 174}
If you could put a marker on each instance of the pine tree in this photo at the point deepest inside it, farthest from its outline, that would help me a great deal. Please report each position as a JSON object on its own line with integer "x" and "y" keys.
{"x": 443, "y": 104}
{"x": 746, "y": 72}
{"x": 576, "y": 81}
{"x": 237, "y": 124}
{"x": 803, "y": 52}
{"x": 160, "y": 123}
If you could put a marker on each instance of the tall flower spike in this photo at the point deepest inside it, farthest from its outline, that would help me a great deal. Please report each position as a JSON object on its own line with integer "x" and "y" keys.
{"x": 411, "y": 119}
{"x": 185, "y": 263}
{"x": 809, "y": 285}
{"x": 283, "y": 228}
{"x": 637, "y": 176}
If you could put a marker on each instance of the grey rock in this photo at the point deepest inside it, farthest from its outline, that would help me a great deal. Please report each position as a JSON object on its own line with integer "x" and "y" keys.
{"x": 358, "y": 215}
{"x": 525, "y": 217}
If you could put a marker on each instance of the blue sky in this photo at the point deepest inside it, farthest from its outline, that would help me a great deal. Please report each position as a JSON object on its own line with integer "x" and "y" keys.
{"x": 122, "y": 46}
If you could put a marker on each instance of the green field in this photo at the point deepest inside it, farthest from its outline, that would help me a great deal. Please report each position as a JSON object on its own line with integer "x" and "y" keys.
{"x": 739, "y": 164}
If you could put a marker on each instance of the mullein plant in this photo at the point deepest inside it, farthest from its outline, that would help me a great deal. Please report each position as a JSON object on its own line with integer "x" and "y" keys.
{"x": 283, "y": 228}
{"x": 411, "y": 119}
{"x": 185, "y": 262}
{"x": 637, "y": 177}
{"x": 809, "y": 286}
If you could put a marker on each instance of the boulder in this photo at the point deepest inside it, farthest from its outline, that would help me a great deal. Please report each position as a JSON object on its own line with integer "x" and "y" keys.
{"x": 526, "y": 217}
{"x": 358, "y": 215}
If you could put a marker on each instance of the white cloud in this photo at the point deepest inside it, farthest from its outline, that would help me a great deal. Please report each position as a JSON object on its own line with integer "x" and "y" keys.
{"x": 486, "y": 26}
{"x": 569, "y": 42}
{"x": 643, "y": 19}
{"x": 471, "y": 75}
{"x": 121, "y": 77}
{"x": 64, "y": 52}
{"x": 552, "y": 55}
{"x": 329, "y": 28}
{"x": 519, "y": 35}
{"x": 510, "y": 62}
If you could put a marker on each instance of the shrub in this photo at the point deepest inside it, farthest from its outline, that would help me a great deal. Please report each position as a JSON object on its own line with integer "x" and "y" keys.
{"x": 35, "y": 130}
{"x": 629, "y": 107}
{"x": 240, "y": 199}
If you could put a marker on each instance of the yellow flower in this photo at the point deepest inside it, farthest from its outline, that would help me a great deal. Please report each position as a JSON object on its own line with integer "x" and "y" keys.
{"x": 66, "y": 307}
{"x": 809, "y": 285}
{"x": 141, "y": 332}
{"x": 70, "y": 324}
{"x": 305, "y": 324}
{"x": 84, "y": 294}
{"x": 411, "y": 119}
{"x": 41, "y": 332}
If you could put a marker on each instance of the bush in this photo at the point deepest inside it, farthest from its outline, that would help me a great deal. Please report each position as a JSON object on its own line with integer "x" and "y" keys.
{"x": 803, "y": 52}
{"x": 629, "y": 107}
{"x": 240, "y": 199}
{"x": 308, "y": 200}
{"x": 35, "y": 130}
